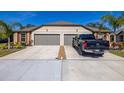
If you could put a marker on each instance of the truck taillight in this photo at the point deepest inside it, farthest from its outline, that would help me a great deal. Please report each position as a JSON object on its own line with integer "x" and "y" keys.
{"x": 85, "y": 44}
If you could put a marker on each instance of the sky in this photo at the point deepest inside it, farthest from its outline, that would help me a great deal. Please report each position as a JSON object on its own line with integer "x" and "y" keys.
{"x": 44, "y": 17}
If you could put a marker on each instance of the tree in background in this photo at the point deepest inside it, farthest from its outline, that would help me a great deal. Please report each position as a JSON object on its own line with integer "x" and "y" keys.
{"x": 100, "y": 25}
{"x": 6, "y": 30}
{"x": 114, "y": 22}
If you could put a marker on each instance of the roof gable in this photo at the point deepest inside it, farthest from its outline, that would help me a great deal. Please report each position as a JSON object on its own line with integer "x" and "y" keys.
{"x": 61, "y": 23}
{"x": 119, "y": 31}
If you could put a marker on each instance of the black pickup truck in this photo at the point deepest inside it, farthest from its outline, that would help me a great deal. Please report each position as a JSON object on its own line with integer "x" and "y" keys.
{"x": 86, "y": 43}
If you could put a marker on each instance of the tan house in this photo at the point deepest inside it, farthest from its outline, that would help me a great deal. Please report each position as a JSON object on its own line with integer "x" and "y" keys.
{"x": 117, "y": 36}
{"x": 56, "y": 33}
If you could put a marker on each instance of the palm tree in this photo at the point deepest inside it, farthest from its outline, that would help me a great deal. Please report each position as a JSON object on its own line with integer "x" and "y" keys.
{"x": 99, "y": 25}
{"x": 6, "y": 30}
{"x": 115, "y": 22}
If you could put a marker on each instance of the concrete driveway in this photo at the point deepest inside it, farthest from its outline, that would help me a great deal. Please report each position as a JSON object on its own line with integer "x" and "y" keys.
{"x": 97, "y": 70}
{"x": 29, "y": 70}
{"x": 35, "y": 52}
{"x": 39, "y": 63}
{"x": 57, "y": 70}
{"x": 72, "y": 53}
{"x": 77, "y": 67}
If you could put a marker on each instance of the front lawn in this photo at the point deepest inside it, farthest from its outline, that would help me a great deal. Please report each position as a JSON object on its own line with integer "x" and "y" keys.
{"x": 118, "y": 52}
{"x": 4, "y": 52}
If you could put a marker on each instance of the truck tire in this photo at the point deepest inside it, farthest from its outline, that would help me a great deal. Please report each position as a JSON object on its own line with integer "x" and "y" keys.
{"x": 79, "y": 51}
{"x": 100, "y": 54}
{"x": 73, "y": 44}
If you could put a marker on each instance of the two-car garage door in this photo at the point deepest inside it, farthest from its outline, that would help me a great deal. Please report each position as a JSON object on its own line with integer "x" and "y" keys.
{"x": 52, "y": 39}
{"x": 68, "y": 39}
{"x": 46, "y": 39}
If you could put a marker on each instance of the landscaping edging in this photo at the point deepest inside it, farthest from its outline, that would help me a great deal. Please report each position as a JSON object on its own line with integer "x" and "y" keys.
{"x": 4, "y": 52}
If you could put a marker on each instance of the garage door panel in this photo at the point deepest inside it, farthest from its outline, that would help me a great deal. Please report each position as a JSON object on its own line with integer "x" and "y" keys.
{"x": 47, "y": 39}
{"x": 68, "y": 39}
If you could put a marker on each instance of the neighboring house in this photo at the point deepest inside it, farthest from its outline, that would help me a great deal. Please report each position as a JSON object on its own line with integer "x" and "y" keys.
{"x": 56, "y": 33}
{"x": 117, "y": 36}
{"x": 100, "y": 34}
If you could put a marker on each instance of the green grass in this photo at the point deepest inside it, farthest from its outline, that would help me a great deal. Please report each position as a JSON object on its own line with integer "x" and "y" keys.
{"x": 118, "y": 52}
{"x": 4, "y": 52}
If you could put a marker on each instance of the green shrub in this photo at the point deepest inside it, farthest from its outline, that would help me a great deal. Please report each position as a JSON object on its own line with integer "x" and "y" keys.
{"x": 117, "y": 45}
{"x": 3, "y": 46}
{"x": 17, "y": 46}
{"x": 23, "y": 44}
{"x": 12, "y": 44}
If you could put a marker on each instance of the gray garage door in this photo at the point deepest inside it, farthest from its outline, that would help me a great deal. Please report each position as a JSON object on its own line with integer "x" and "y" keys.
{"x": 68, "y": 39}
{"x": 44, "y": 39}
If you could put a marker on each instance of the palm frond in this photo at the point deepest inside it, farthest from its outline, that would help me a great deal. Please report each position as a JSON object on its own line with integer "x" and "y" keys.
{"x": 5, "y": 30}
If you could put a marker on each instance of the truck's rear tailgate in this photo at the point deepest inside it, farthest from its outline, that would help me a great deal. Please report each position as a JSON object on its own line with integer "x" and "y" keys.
{"x": 97, "y": 44}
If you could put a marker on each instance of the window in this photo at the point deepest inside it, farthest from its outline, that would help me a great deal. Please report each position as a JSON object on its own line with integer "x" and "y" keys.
{"x": 121, "y": 38}
{"x": 86, "y": 36}
{"x": 23, "y": 36}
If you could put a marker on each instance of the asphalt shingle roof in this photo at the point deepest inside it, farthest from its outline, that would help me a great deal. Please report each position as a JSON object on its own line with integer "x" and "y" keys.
{"x": 121, "y": 30}
{"x": 60, "y": 23}
{"x": 28, "y": 29}
{"x": 93, "y": 29}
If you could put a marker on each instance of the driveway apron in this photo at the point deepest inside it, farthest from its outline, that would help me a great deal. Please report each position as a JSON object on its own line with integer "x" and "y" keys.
{"x": 35, "y": 52}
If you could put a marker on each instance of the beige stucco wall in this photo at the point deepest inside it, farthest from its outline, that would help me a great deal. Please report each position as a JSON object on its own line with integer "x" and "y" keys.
{"x": 108, "y": 37}
{"x": 60, "y": 30}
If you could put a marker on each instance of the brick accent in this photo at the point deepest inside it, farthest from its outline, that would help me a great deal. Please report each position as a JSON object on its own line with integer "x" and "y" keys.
{"x": 28, "y": 38}
{"x": 19, "y": 38}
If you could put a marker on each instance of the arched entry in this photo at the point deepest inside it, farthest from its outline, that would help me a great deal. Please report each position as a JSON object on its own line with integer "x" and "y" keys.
{"x": 111, "y": 38}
